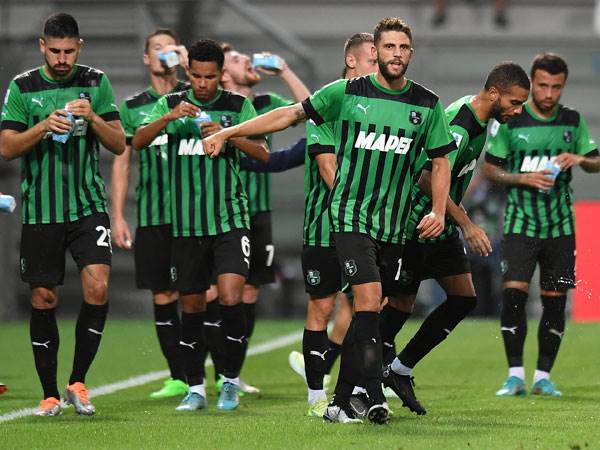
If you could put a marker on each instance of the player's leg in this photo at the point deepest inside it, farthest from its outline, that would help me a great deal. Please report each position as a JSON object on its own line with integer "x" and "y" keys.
{"x": 191, "y": 260}
{"x": 231, "y": 261}
{"x": 343, "y": 317}
{"x": 520, "y": 254}
{"x": 557, "y": 276}
{"x": 152, "y": 253}
{"x": 213, "y": 331}
{"x": 42, "y": 267}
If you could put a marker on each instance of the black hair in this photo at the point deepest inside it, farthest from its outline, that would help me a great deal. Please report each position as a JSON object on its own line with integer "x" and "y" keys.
{"x": 206, "y": 50}
{"x": 551, "y": 63}
{"x": 391, "y": 24}
{"x": 60, "y": 26}
{"x": 506, "y": 75}
{"x": 158, "y": 32}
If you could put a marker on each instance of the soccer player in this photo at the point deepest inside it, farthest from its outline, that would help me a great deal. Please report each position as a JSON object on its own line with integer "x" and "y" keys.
{"x": 209, "y": 210}
{"x": 444, "y": 258}
{"x": 54, "y": 119}
{"x": 532, "y": 155}
{"x": 383, "y": 122}
{"x": 321, "y": 271}
{"x": 153, "y": 234}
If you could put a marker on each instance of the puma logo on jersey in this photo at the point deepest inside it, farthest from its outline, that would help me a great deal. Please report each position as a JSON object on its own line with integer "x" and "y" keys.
{"x": 363, "y": 108}
{"x": 320, "y": 355}
{"x": 383, "y": 143}
{"x": 190, "y": 147}
{"x": 512, "y": 330}
{"x": 37, "y": 100}
{"x": 168, "y": 323}
{"x": 556, "y": 332}
{"x": 160, "y": 140}
{"x": 240, "y": 340}
{"x": 468, "y": 168}
{"x": 190, "y": 345}
{"x": 524, "y": 137}
{"x": 315, "y": 137}
{"x": 40, "y": 344}
{"x": 91, "y": 330}
{"x": 535, "y": 163}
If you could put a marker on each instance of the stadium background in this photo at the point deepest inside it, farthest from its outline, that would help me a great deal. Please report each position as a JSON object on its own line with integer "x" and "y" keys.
{"x": 309, "y": 34}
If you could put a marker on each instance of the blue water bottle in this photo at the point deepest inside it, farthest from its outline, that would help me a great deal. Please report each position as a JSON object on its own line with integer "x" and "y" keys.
{"x": 7, "y": 203}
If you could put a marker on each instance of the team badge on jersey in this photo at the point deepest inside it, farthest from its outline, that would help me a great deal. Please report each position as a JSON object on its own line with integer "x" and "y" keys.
{"x": 173, "y": 274}
{"x": 226, "y": 120}
{"x": 350, "y": 268}
{"x": 313, "y": 277}
{"x": 415, "y": 117}
{"x": 568, "y": 136}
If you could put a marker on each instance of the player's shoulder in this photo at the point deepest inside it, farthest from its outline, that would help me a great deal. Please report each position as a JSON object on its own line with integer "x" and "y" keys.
{"x": 230, "y": 101}
{"x": 416, "y": 94}
{"x": 460, "y": 115}
{"x": 263, "y": 100}
{"x": 568, "y": 116}
{"x": 29, "y": 81}
{"x": 420, "y": 95}
{"x": 87, "y": 76}
{"x": 175, "y": 98}
{"x": 139, "y": 99}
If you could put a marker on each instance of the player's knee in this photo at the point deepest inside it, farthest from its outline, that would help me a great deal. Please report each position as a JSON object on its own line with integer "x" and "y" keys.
{"x": 192, "y": 304}
{"x": 96, "y": 292}
{"x": 402, "y": 303}
{"x": 318, "y": 313}
{"x": 250, "y": 294}
{"x": 229, "y": 297}
{"x": 44, "y": 298}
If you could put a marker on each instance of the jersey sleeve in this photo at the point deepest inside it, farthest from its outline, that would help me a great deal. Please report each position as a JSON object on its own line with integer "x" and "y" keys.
{"x": 497, "y": 146}
{"x": 126, "y": 123}
{"x": 319, "y": 139}
{"x": 14, "y": 112}
{"x": 106, "y": 107}
{"x": 438, "y": 141}
{"x": 585, "y": 144}
{"x": 461, "y": 139}
{"x": 325, "y": 104}
{"x": 248, "y": 112}
{"x": 278, "y": 101}
{"x": 160, "y": 109}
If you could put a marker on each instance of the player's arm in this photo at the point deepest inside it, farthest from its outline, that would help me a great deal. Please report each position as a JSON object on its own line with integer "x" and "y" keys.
{"x": 109, "y": 133}
{"x": 586, "y": 151}
{"x": 159, "y": 118}
{"x": 294, "y": 84}
{"x": 279, "y": 161}
{"x": 119, "y": 186}
{"x": 327, "y": 167}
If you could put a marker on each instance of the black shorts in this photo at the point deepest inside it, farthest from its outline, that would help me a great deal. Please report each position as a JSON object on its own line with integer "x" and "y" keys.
{"x": 365, "y": 260}
{"x": 195, "y": 259}
{"x": 152, "y": 252}
{"x": 261, "y": 262}
{"x": 556, "y": 257}
{"x": 442, "y": 259}
{"x": 321, "y": 271}
{"x": 43, "y": 248}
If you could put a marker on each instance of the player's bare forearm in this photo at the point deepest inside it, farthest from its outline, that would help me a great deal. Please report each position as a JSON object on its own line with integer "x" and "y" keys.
{"x": 120, "y": 182}
{"x": 440, "y": 184}
{"x": 110, "y": 134}
{"x": 456, "y": 212}
{"x": 271, "y": 122}
{"x": 145, "y": 135}
{"x": 498, "y": 175}
{"x": 327, "y": 167}
{"x": 254, "y": 148}
{"x": 16, "y": 143}
{"x": 295, "y": 85}
{"x": 591, "y": 164}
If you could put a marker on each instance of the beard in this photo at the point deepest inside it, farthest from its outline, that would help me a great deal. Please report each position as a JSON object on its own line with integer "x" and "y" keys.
{"x": 543, "y": 108}
{"x": 497, "y": 113}
{"x": 387, "y": 75}
{"x": 59, "y": 71}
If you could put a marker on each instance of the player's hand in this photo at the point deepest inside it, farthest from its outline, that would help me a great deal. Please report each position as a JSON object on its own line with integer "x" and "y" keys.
{"x": 476, "y": 239}
{"x": 57, "y": 122}
{"x": 431, "y": 225}
{"x": 568, "y": 160}
{"x": 538, "y": 180}
{"x": 212, "y": 145}
{"x": 121, "y": 234}
{"x": 181, "y": 51}
{"x": 210, "y": 128}
{"x": 184, "y": 109}
{"x": 81, "y": 108}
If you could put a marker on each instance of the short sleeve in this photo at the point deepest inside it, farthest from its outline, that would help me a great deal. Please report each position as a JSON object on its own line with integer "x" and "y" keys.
{"x": 14, "y": 112}
{"x": 585, "y": 144}
{"x": 438, "y": 141}
{"x": 126, "y": 122}
{"x": 277, "y": 101}
{"x": 325, "y": 104}
{"x": 248, "y": 112}
{"x": 497, "y": 144}
{"x": 106, "y": 107}
{"x": 160, "y": 109}
{"x": 319, "y": 139}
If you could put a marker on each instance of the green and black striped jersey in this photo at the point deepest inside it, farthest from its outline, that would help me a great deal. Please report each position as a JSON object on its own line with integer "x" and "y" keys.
{"x": 59, "y": 182}
{"x": 207, "y": 195}
{"x": 317, "y": 230}
{"x": 469, "y": 134}
{"x": 525, "y": 144}
{"x": 152, "y": 193}
{"x": 258, "y": 185}
{"x": 379, "y": 134}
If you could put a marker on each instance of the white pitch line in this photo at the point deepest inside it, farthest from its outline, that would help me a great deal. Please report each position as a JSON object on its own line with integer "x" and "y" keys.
{"x": 139, "y": 380}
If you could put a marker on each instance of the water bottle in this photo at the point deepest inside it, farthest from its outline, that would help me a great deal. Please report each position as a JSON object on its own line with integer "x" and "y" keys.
{"x": 200, "y": 118}
{"x": 7, "y": 203}
{"x": 266, "y": 61}
{"x": 168, "y": 59}
{"x": 554, "y": 169}
{"x": 62, "y": 138}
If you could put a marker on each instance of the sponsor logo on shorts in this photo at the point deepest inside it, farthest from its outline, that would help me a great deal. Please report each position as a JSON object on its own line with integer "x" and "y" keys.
{"x": 406, "y": 277}
{"x": 173, "y": 274}
{"x": 504, "y": 266}
{"x": 313, "y": 277}
{"x": 350, "y": 268}
{"x": 23, "y": 265}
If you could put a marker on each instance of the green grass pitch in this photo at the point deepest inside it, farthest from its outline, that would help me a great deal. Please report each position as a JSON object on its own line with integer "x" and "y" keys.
{"x": 456, "y": 384}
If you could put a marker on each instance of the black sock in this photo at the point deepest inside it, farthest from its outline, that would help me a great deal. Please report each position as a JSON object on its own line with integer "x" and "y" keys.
{"x": 234, "y": 330}
{"x": 349, "y": 375}
{"x": 367, "y": 345}
{"x": 44, "y": 342}
{"x": 168, "y": 330}
{"x": 88, "y": 333}
{"x": 391, "y": 322}
{"x": 331, "y": 356}
{"x": 315, "y": 347}
{"x": 513, "y": 322}
{"x": 250, "y": 313}
{"x": 550, "y": 331}
{"x": 192, "y": 346}
{"x": 213, "y": 331}
{"x": 436, "y": 327}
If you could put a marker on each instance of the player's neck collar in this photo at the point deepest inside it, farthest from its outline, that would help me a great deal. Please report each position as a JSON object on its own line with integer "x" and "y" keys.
{"x": 536, "y": 116}
{"x": 378, "y": 85}
{"x": 62, "y": 81}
